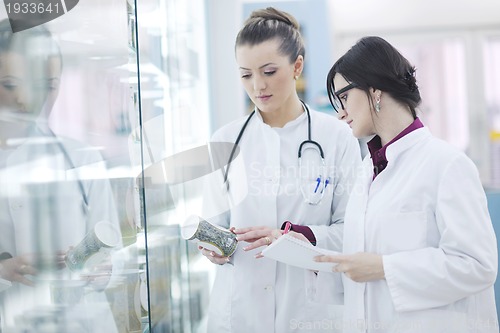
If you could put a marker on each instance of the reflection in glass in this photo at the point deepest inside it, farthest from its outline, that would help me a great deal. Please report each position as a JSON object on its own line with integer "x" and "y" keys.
{"x": 54, "y": 191}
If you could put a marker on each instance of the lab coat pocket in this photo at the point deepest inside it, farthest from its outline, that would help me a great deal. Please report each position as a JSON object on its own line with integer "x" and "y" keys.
{"x": 324, "y": 304}
{"x": 324, "y": 287}
{"x": 403, "y": 231}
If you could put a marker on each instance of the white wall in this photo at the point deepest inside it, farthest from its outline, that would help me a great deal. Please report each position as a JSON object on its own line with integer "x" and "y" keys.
{"x": 367, "y": 16}
{"x": 226, "y": 94}
{"x": 409, "y": 18}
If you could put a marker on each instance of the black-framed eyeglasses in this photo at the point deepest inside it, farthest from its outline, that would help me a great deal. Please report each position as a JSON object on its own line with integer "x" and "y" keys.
{"x": 337, "y": 102}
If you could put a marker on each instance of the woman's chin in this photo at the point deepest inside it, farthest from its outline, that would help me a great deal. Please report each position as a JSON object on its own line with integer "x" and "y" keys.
{"x": 356, "y": 133}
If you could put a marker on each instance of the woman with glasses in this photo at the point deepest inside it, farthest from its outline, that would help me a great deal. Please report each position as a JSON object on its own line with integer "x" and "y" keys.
{"x": 261, "y": 295}
{"x": 420, "y": 253}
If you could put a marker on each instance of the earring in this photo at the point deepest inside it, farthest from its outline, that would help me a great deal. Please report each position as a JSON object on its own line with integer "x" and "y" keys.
{"x": 377, "y": 104}
{"x": 295, "y": 77}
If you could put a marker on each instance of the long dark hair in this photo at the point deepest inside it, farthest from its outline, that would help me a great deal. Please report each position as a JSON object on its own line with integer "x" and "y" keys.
{"x": 374, "y": 63}
{"x": 269, "y": 23}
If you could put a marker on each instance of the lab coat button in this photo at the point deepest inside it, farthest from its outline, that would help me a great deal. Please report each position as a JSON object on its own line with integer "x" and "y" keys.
{"x": 268, "y": 288}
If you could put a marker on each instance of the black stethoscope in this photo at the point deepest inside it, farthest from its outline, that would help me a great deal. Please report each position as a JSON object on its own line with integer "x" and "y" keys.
{"x": 312, "y": 191}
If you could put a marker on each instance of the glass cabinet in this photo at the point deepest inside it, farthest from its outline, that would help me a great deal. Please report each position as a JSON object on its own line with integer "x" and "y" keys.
{"x": 92, "y": 102}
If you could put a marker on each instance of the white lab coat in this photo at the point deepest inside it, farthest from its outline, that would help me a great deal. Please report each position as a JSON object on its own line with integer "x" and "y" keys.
{"x": 426, "y": 213}
{"x": 47, "y": 216}
{"x": 261, "y": 295}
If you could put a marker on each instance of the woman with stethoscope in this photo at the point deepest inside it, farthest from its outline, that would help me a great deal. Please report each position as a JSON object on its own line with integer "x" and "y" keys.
{"x": 262, "y": 295}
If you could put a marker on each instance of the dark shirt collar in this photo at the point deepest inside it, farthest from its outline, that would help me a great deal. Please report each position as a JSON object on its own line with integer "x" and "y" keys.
{"x": 377, "y": 151}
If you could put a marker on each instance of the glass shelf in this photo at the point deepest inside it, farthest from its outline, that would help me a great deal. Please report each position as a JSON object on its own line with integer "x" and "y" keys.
{"x": 133, "y": 90}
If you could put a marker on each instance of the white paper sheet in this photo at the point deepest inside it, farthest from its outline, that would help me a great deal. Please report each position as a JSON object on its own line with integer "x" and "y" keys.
{"x": 295, "y": 252}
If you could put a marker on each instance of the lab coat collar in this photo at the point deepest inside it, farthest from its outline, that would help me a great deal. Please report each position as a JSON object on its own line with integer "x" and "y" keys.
{"x": 294, "y": 122}
{"x": 398, "y": 147}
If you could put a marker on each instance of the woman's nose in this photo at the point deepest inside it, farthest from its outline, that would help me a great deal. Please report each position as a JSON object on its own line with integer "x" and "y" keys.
{"x": 258, "y": 83}
{"x": 23, "y": 98}
{"x": 341, "y": 115}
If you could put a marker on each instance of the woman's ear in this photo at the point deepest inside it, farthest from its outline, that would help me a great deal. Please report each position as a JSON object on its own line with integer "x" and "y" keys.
{"x": 374, "y": 92}
{"x": 298, "y": 66}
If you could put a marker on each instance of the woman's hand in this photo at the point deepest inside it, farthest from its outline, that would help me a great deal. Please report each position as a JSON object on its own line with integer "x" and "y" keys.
{"x": 214, "y": 257}
{"x": 99, "y": 276}
{"x": 15, "y": 269}
{"x": 257, "y": 236}
{"x": 359, "y": 267}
